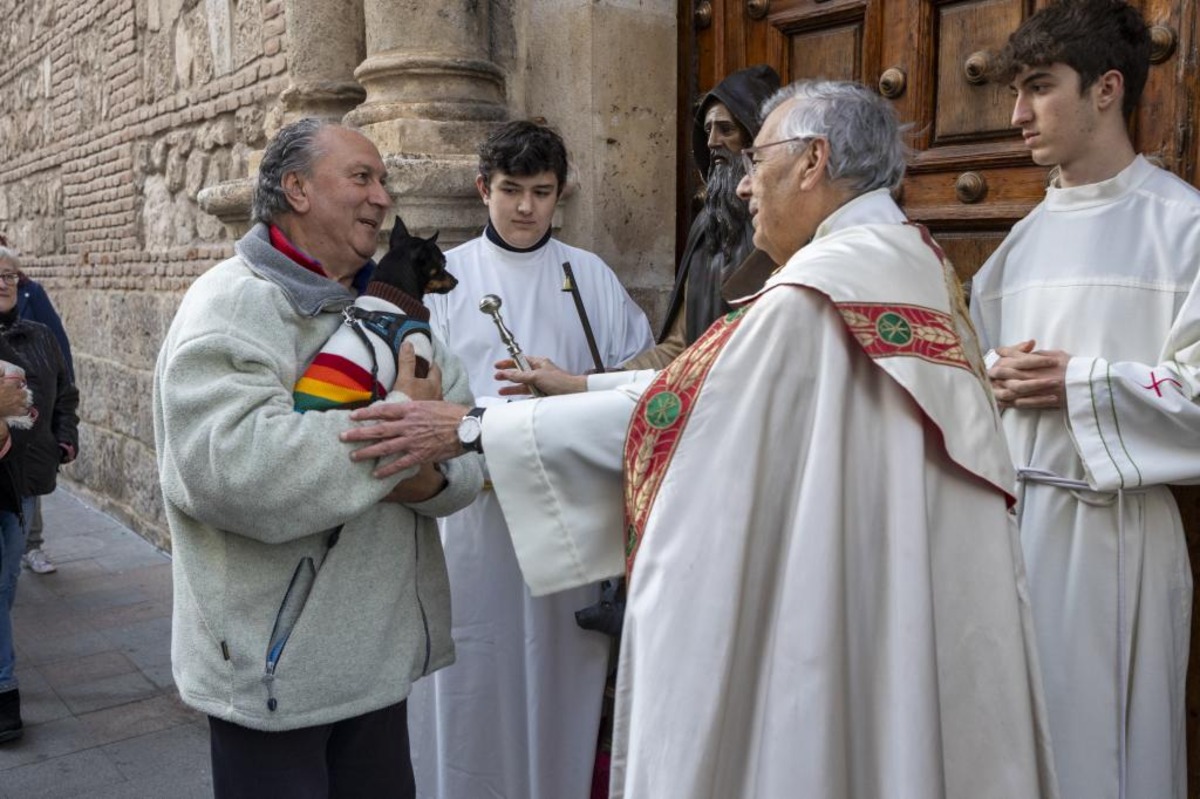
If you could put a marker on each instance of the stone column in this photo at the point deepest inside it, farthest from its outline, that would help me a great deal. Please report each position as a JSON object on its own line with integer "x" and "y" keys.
{"x": 604, "y": 73}
{"x": 433, "y": 93}
{"x": 324, "y": 45}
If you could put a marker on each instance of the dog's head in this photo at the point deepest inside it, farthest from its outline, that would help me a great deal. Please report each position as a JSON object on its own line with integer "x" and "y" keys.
{"x": 414, "y": 265}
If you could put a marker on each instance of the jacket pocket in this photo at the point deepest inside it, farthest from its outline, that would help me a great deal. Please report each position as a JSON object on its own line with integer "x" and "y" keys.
{"x": 290, "y": 609}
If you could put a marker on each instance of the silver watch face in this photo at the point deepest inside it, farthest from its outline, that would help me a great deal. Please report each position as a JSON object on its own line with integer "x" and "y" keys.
{"x": 469, "y": 430}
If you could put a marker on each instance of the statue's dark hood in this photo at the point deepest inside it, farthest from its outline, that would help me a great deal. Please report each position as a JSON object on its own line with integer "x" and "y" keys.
{"x": 743, "y": 93}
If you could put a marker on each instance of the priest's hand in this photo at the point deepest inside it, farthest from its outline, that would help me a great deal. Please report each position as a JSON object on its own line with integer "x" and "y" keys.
{"x": 419, "y": 432}
{"x": 545, "y": 375}
{"x": 418, "y": 388}
{"x": 1030, "y": 379}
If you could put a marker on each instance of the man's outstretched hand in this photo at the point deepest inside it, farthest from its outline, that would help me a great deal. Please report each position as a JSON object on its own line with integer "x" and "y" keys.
{"x": 421, "y": 432}
{"x": 545, "y": 375}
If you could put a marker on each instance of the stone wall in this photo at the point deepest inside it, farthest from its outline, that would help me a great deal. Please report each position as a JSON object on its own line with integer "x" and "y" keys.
{"x": 113, "y": 115}
{"x": 116, "y": 114}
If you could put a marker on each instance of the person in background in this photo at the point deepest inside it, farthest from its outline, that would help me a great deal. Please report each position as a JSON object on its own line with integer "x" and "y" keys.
{"x": 54, "y": 438}
{"x": 34, "y": 305}
{"x": 14, "y": 402}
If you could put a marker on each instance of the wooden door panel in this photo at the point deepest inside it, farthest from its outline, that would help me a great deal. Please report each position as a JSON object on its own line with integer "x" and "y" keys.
{"x": 980, "y": 197}
{"x": 1163, "y": 121}
{"x": 971, "y": 247}
{"x": 971, "y": 171}
{"x": 834, "y": 53}
{"x": 967, "y": 105}
{"x": 834, "y": 39}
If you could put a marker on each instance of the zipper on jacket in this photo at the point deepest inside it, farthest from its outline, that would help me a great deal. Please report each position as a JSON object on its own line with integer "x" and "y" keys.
{"x": 293, "y": 603}
{"x": 417, "y": 589}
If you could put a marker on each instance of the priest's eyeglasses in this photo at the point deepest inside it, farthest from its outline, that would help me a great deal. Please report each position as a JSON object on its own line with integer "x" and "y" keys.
{"x": 10, "y": 278}
{"x": 748, "y": 153}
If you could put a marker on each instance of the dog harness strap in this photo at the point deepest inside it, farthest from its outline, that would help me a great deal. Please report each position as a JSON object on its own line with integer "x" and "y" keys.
{"x": 393, "y": 328}
{"x": 354, "y": 318}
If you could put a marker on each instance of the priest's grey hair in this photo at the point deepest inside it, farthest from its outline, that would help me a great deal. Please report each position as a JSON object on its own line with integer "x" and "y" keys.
{"x": 294, "y": 149}
{"x": 866, "y": 144}
{"x": 11, "y": 257}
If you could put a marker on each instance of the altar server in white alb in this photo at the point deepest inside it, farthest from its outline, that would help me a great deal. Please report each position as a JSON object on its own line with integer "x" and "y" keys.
{"x": 517, "y": 716}
{"x": 1091, "y": 309}
{"x": 826, "y": 592}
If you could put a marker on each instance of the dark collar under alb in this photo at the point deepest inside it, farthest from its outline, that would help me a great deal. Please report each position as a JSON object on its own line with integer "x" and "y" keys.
{"x": 495, "y": 238}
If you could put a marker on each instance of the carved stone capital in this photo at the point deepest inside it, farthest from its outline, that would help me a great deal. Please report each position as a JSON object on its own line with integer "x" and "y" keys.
{"x": 329, "y": 99}
{"x": 230, "y": 203}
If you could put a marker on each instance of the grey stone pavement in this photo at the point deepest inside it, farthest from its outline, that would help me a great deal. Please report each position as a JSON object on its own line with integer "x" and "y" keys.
{"x": 102, "y": 716}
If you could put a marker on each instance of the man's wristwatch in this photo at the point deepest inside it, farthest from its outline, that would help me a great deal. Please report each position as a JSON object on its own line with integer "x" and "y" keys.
{"x": 470, "y": 431}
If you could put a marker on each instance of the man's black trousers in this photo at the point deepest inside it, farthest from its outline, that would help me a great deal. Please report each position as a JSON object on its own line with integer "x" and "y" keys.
{"x": 365, "y": 757}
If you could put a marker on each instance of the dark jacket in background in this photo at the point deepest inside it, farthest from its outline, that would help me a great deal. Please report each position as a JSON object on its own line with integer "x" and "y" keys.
{"x": 12, "y": 465}
{"x": 34, "y": 304}
{"x": 54, "y": 396}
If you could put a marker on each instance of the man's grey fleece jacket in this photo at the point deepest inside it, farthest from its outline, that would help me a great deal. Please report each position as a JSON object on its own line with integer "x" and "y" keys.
{"x": 273, "y": 627}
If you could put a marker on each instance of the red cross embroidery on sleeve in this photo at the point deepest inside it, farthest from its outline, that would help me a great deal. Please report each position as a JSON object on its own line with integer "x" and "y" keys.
{"x": 1156, "y": 382}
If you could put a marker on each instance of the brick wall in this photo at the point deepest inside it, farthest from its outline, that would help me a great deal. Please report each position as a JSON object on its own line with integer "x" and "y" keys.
{"x": 113, "y": 115}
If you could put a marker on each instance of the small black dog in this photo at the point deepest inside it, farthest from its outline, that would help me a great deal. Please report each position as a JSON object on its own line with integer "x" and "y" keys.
{"x": 358, "y": 364}
{"x": 412, "y": 268}
{"x": 414, "y": 265}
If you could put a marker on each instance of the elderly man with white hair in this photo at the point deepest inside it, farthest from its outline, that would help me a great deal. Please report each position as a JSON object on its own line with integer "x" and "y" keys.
{"x": 826, "y": 592}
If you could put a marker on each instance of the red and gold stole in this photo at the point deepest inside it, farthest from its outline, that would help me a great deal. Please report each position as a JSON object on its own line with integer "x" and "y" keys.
{"x": 658, "y": 423}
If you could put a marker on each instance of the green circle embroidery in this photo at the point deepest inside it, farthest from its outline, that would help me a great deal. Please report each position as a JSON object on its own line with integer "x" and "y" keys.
{"x": 894, "y": 329}
{"x": 663, "y": 409}
{"x": 735, "y": 313}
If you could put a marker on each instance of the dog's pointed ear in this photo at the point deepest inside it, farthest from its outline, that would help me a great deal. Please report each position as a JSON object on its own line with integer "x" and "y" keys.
{"x": 433, "y": 239}
{"x": 399, "y": 231}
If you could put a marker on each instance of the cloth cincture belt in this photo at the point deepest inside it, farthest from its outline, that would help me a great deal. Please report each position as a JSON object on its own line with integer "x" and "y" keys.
{"x": 1089, "y": 496}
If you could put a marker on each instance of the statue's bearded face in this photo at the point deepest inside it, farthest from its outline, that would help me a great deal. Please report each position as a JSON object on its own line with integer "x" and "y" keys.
{"x": 724, "y": 135}
{"x": 726, "y": 214}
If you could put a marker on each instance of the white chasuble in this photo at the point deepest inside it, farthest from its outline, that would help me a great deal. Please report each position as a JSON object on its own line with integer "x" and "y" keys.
{"x": 826, "y": 597}
{"x": 1107, "y": 273}
{"x": 517, "y": 716}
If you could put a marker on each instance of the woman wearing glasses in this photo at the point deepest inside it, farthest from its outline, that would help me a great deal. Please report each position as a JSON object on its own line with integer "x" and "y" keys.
{"x": 34, "y": 304}
{"x": 53, "y": 440}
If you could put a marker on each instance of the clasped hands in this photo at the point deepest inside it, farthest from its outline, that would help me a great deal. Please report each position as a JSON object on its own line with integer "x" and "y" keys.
{"x": 1029, "y": 379}
{"x": 424, "y": 431}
